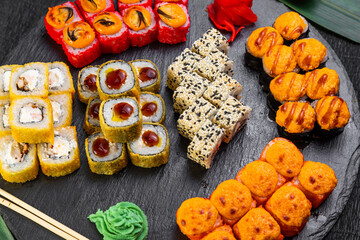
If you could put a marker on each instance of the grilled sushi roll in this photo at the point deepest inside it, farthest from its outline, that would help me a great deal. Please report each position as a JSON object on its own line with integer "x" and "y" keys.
{"x": 142, "y": 24}
{"x": 4, "y": 117}
{"x": 262, "y": 180}
{"x": 60, "y": 79}
{"x": 152, "y": 108}
{"x": 123, "y": 4}
{"x": 117, "y": 78}
{"x": 31, "y": 120}
{"x": 90, "y": 8}
{"x": 105, "y": 157}
{"x": 80, "y": 44}
{"x": 111, "y": 32}
{"x": 5, "y": 73}
{"x": 120, "y": 119}
{"x": 221, "y": 233}
{"x": 322, "y": 82}
{"x": 32, "y": 79}
{"x": 62, "y": 157}
{"x": 310, "y": 53}
{"x": 61, "y": 105}
{"x": 317, "y": 181}
{"x": 86, "y": 83}
{"x": 291, "y": 26}
{"x": 233, "y": 200}
{"x": 184, "y": 2}
{"x": 259, "y": 43}
{"x": 173, "y": 21}
{"x": 284, "y": 156}
{"x": 19, "y": 162}
{"x": 59, "y": 17}
{"x": 196, "y": 217}
{"x": 148, "y": 75}
{"x": 91, "y": 122}
{"x": 151, "y": 149}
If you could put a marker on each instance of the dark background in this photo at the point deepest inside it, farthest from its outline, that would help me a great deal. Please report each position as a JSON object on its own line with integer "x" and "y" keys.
{"x": 17, "y": 17}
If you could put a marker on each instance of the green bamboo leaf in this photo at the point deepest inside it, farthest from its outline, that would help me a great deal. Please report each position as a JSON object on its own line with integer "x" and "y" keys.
{"x": 4, "y": 231}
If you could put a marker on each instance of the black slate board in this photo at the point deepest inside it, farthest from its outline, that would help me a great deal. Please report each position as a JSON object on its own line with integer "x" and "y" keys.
{"x": 159, "y": 192}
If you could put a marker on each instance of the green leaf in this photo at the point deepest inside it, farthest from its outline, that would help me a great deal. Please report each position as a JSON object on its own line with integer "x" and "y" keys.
{"x": 339, "y": 16}
{"x": 5, "y": 234}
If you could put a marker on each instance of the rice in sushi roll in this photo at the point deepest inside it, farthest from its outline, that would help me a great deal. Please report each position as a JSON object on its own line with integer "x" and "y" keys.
{"x": 4, "y": 117}
{"x": 322, "y": 82}
{"x": 61, "y": 105}
{"x": 123, "y": 4}
{"x": 105, "y": 157}
{"x": 152, "y": 108}
{"x": 91, "y": 122}
{"x": 151, "y": 148}
{"x": 184, "y": 2}
{"x": 148, "y": 75}
{"x": 90, "y": 8}
{"x": 310, "y": 53}
{"x": 120, "y": 119}
{"x": 60, "y": 79}
{"x": 86, "y": 83}
{"x": 5, "y": 73}
{"x": 62, "y": 157}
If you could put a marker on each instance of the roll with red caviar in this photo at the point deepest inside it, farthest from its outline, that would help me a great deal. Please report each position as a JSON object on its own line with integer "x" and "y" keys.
{"x": 184, "y": 2}
{"x": 90, "y": 8}
{"x": 123, "y": 4}
{"x": 322, "y": 82}
{"x": 221, "y": 233}
{"x": 292, "y": 26}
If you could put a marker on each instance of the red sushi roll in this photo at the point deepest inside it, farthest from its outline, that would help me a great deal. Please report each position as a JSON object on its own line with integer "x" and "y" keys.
{"x": 111, "y": 32}
{"x": 89, "y": 8}
{"x": 80, "y": 44}
{"x": 123, "y": 4}
{"x": 173, "y": 21}
{"x": 59, "y": 17}
{"x": 142, "y": 24}
{"x": 185, "y": 2}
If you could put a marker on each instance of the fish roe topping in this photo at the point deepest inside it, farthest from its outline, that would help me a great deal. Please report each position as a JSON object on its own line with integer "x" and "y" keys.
{"x": 290, "y": 25}
{"x": 220, "y": 233}
{"x": 309, "y": 53}
{"x": 137, "y": 18}
{"x": 332, "y": 112}
{"x": 296, "y": 117}
{"x": 279, "y": 59}
{"x": 172, "y": 14}
{"x": 317, "y": 178}
{"x": 78, "y": 34}
{"x": 322, "y": 82}
{"x": 288, "y": 87}
{"x": 107, "y": 23}
{"x": 93, "y": 6}
{"x": 59, "y": 16}
{"x": 262, "y": 39}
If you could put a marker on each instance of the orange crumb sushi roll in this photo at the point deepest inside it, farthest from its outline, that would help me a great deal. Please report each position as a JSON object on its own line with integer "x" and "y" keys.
{"x": 262, "y": 180}
{"x": 196, "y": 217}
{"x": 317, "y": 181}
{"x": 90, "y": 8}
{"x": 322, "y": 82}
{"x": 290, "y": 208}
{"x": 291, "y": 26}
{"x": 221, "y": 233}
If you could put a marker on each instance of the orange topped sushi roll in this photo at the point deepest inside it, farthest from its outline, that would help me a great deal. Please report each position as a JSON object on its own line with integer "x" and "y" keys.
{"x": 284, "y": 156}
{"x": 317, "y": 181}
{"x": 290, "y": 208}
{"x": 196, "y": 217}
{"x": 220, "y": 233}
{"x": 310, "y": 53}
{"x": 232, "y": 199}
{"x": 90, "y": 8}
{"x": 262, "y": 180}
{"x": 291, "y": 26}
{"x": 257, "y": 224}
{"x": 123, "y": 4}
{"x": 322, "y": 82}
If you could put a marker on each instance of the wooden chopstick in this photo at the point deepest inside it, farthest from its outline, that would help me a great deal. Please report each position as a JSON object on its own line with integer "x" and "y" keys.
{"x": 39, "y": 217}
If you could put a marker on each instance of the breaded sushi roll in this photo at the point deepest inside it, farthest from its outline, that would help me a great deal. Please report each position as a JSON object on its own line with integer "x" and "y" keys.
{"x": 151, "y": 149}
{"x": 91, "y": 122}
{"x": 148, "y": 75}
{"x": 120, "y": 119}
{"x": 322, "y": 82}
{"x": 117, "y": 78}
{"x": 86, "y": 83}
{"x": 19, "y": 162}
{"x": 60, "y": 79}
{"x": 291, "y": 26}
{"x": 89, "y": 8}
{"x": 213, "y": 36}
{"x": 152, "y": 108}
{"x": 5, "y": 73}
{"x": 105, "y": 157}
{"x": 61, "y": 105}
{"x": 62, "y": 157}
{"x": 221, "y": 233}
{"x": 31, "y": 120}
{"x": 31, "y": 79}
{"x": 185, "y": 2}
{"x": 123, "y": 4}
{"x": 310, "y": 53}
{"x": 4, "y": 117}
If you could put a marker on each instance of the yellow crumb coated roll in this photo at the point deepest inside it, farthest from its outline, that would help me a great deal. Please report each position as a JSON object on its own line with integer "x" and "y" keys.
{"x": 60, "y": 79}
{"x": 4, "y": 117}
{"x": 262, "y": 39}
{"x": 86, "y": 84}
{"x": 61, "y": 104}
{"x": 91, "y": 121}
{"x": 5, "y": 73}
{"x": 148, "y": 75}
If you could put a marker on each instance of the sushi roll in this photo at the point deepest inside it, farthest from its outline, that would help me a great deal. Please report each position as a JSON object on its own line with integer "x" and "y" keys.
{"x": 123, "y": 4}
{"x": 32, "y": 79}
{"x": 262, "y": 180}
{"x": 216, "y": 55}
{"x": 105, "y": 157}
{"x": 86, "y": 83}
{"x": 332, "y": 115}
{"x": 59, "y": 17}
{"x": 295, "y": 120}
{"x": 215, "y": 37}
{"x": 61, "y": 105}
{"x": 209, "y": 68}
{"x": 151, "y": 148}
{"x": 291, "y": 26}
{"x": 117, "y": 78}
{"x": 233, "y": 200}
{"x": 142, "y": 25}
{"x": 90, "y": 8}
{"x": 317, "y": 181}
{"x": 322, "y": 82}
{"x": 19, "y": 162}
{"x": 91, "y": 122}
{"x": 31, "y": 120}
{"x": 4, "y": 117}
{"x": 120, "y": 119}
{"x": 259, "y": 43}
{"x": 309, "y": 53}
{"x": 220, "y": 233}
{"x": 148, "y": 75}
{"x": 60, "y": 79}
{"x": 111, "y": 32}
{"x": 232, "y": 116}
{"x": 152, "y": 108}
{"x": 80, "y": 44}
{"x": 5, "y": 73}
{"x": 290, "y": 208}
{"x": 173, "y": 21}
{"x": 62, "y": 157}
{"x": 184, "y": 2}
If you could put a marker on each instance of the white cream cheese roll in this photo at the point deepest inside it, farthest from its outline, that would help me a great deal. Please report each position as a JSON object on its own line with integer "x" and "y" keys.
{"x": 91, "y": 122}
{"x": 4, "y": 117}
{"x": 86, "y": 84}
{"x": 148, "y": 75}
{"x": 152, "y": 107}
{"x": 60, "y": 79}
{"x": 5, "y": 73}
{"x": 62, "y": 109}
